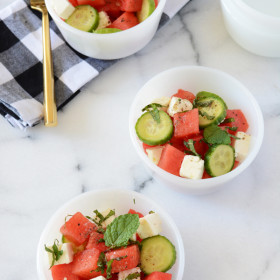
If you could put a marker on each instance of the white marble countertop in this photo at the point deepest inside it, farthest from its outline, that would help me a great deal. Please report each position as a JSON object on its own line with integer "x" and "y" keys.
{"x": 233, "y": 234}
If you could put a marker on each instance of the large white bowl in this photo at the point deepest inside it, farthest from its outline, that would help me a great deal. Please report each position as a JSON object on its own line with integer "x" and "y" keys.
{"x": 109, "y": 46}
{"x": 195, "y": 79}
{"x": 252, "y": 29}
{"x": 121, "y": 201}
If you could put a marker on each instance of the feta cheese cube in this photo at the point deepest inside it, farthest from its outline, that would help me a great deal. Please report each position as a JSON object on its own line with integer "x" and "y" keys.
{"x": 63, "y": 8}
{"x": 66, "y": 257}
{"x": 150, "y": 225}
{"x": 123, "y": 274}
{"x": 98, "y": 278}
{"x": 107, "y": 221}
{"x": 242, "y": 145}
{"x": 133, "y": 237}
{"x": 154, "y": 154}
{"x": 163, "y": 101}
{"x": 178, "y": 105}
{"x": 192, "y": 167}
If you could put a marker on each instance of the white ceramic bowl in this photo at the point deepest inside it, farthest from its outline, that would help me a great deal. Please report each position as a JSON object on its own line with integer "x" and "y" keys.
{"x": 195, "y": 79}
{"x": 121, "y": 201}
{"x": 109, "y": 46}
{"x": 255, "y": 31}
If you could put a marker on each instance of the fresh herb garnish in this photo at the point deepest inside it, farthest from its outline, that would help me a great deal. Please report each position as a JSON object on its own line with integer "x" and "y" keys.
{"x": 101, "y": 263}
{"x": 234, "y": 128}
{"x": 133, "y": 200}
{"x": 204, "y": 103}
{"x": 101, "y": 240}
{"x": 229, "y": 120}
{"x": 151, "y": 212}
{"x": 120, "y": 258}
{"x": 132, "y": 276}
{"x": 233, "y": 136}
{"x": 100, "y": 230}
{"x": 204, "y": 114}
{"x": 56, "y": 253}
{"x": 121, "y": 229}
{"x": 153, "y": 109}
{"x": 99, "y": 218}
{"x": 190, "y": 145}
{"x": 109, "y": 269}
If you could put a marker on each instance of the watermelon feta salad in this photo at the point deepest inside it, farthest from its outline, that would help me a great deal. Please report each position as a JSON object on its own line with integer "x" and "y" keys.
{"x": 195, "y": 137}
{"x": 107, "y": 246}
{"x": 104, "y": 16}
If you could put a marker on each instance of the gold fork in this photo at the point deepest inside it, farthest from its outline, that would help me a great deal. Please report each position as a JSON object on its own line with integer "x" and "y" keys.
{"x": 50, "y": 112}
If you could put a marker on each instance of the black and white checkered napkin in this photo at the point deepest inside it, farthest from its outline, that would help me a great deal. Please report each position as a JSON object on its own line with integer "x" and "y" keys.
{"x": 21, "y": 73}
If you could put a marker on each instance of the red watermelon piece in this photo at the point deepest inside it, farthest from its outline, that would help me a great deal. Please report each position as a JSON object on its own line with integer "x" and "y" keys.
{"x": 184, "y": 95}
{"x": 94, "y": 242}
{"x": 131, "y": 5}
{"x": 77, "y": 229}
{"x": 200, "y": 146}
{"x": 93, "y": 3}
{"x": 131, "y": 211}
{"x": 112, "y": 8}
{"x": 125, "y": 21}
{"x": 186, "y": 124}
{"x": 85, "y": 264}
{"x": 62, "y": 271}
{"x": 171, "y": 159}
{"x": 159, "y": 276}
{"x": 132, "y": 260}
{"x": 239, "y": 120}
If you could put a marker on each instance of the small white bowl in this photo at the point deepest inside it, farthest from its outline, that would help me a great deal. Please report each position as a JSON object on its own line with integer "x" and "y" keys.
{"x": 255, "y": 31}
{"x": 121, "y": 201}
{"x": 195, "y": 79}
{"x": 109, "y": 46}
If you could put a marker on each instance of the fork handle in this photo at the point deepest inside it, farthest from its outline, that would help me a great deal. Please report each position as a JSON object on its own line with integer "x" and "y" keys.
{"x": 50, "y": 112}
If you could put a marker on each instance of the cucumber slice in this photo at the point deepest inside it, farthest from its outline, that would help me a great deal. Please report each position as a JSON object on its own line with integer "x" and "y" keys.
{"x": 107, "y": 30}
{"x": 148, "y": 6}
{"x": 219, "y": 160}
{"x": 153, "y": 133}
{"x": 212, "y": 108}
{"x": 157, "y": 254}
{"x": 84, "y": 18}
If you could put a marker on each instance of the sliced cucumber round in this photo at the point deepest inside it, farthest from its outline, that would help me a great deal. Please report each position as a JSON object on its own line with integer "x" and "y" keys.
{"x": 219, "y": 160}
{"x": 107, "y": 30}
{"x": 148, "y": 6}
{"x": 212, "y": 108}
{"x": 84, "y": 18}
{"x": 157, "y": 254}
{"x": 153, "y": 133}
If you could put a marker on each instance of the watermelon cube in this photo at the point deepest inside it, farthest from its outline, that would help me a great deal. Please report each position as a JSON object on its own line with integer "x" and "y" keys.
{"x": 94, "y": 242}
{"x": 125, "y": 21}
{"x": 131, "y": 258}
{"x": 159, "y": 276}
{"x": 184, "y": 95}
{"x": 171, "y": 160}
{"x": 112, "y": 8}
{"x": 131, "y": 5}
{"x": 186, "y": 124}
{"x": 239, "y": 121}
{"x": 85, "y": 264}
{"x": 77, "y": 229}
{"x": 62, "y": 271}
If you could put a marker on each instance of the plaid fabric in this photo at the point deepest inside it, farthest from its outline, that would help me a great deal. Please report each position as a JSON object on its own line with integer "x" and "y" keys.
{"x": 21, "y": 78}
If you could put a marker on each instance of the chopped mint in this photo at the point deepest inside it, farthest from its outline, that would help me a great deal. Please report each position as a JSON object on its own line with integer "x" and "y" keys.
{"x": 99, "y": 218}
{"x": 121, "y": 229}
{"x": 153, "y": 109}
{"x": 229, "y": 120}
{"x": 190, "y": 145}
{"x": 132, "y": 276}
{"x": 204, "y": 114}
{"x": 56, "y": 253}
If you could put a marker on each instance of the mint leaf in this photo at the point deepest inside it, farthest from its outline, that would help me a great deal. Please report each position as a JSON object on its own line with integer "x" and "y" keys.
{"x": 56, "y": 253}
{"x": 229, "y": 120}
{"x": 99, "y": 218}
{"x": 190, "y": 145}
{"x": 215, "y": 135}
{"x": 132, "y": 276}
{"x": 109, "y": 269}
{"x": 207, "y": 116}
{"x": 153, "y": 109}
{"x": 204, "y": 103}
{"x": 121, "y": 229}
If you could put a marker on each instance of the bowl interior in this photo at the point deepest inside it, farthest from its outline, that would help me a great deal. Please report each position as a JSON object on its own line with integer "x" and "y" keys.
{"x": 195, "y": 79}
{"x": 121, "y": 201}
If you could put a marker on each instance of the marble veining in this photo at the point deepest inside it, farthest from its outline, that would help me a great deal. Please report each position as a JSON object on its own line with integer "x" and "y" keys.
{"x": 233, "y": 234}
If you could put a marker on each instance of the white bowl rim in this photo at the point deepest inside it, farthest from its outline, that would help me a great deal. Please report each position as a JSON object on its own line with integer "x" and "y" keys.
{"x": 201, "y": 184}
{"x": 85, "y": 34}
{"x": 135, "y": 194}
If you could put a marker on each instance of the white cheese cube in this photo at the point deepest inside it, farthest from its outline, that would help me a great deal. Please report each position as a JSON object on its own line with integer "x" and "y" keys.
{"x": 150, "y": 225}
{"x": 123, "y": 274}
{"x": 178, "y": 105}
{"x": 154, "y": 154}
{"x": 192, "y": 167}
{"x": 104, "y": 20}
{"x": 133, "y": 237}
{"x": 242, "y": 145}
{"x": 98, "y": 278}
{"x": 163, "y": 101}
{"x": 63, "y": 8}
{"x": 66, "y": 257}
{"x": 107, "y": 221}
